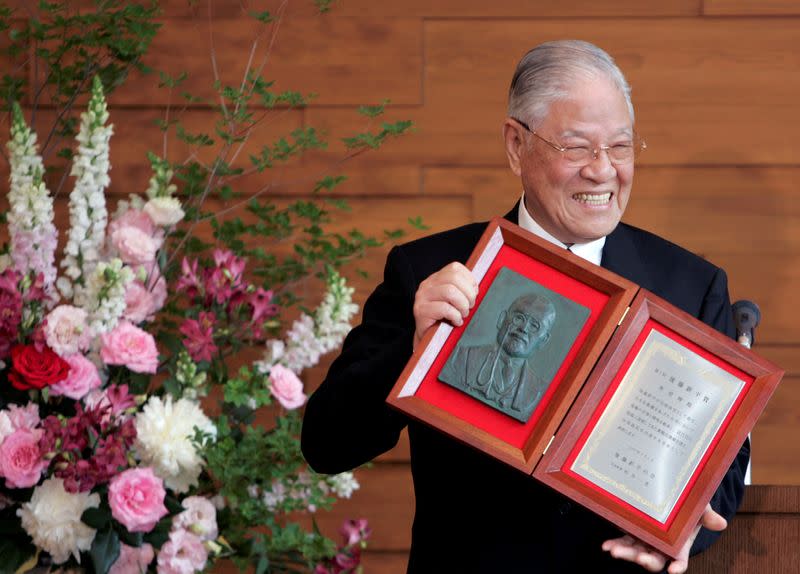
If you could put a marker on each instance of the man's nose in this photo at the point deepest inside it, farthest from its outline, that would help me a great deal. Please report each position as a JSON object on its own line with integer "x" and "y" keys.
{"x": 600, "y": 169}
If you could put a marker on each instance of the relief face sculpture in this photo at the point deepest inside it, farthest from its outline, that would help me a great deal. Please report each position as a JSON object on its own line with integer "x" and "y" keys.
{"x": 512, "y": 370}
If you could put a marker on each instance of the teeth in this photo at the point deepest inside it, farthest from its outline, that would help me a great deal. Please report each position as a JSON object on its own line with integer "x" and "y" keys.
{"x": 593, "y": 198}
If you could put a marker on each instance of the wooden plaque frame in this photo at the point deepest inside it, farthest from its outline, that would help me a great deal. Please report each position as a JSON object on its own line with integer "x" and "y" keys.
{"x": 501, "y": 233}
{"x": 577, "y": 397}
{"x": 670, "y": 536}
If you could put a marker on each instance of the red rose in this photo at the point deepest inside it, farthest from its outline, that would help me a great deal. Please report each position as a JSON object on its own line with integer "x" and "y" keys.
{"x": 31, "y": 369}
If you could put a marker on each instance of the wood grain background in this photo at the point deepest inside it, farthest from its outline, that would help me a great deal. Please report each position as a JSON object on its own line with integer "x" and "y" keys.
{"x": 716, "y": 85}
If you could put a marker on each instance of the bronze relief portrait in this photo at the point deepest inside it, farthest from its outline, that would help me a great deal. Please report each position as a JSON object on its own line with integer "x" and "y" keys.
{"x": 511, "y": 350}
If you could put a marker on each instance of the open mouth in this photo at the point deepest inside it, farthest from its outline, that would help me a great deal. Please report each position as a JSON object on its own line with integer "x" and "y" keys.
{"x": 593, "y": 198}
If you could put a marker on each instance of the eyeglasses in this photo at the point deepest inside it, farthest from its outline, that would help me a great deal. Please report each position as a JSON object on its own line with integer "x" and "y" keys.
{"x": 522, "y": 320}
{"x": 579, "y": 156}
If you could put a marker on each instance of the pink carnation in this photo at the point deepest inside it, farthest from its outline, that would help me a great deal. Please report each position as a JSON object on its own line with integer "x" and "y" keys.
{"x": 183, "y": 553}
{"x": 136, "y": 497}
{"x": 133, "y": 560}
{"x": 130, "y": 346}
{"x": 83, "y": 377}
{"x": 135, "y": 247}
{"x": 21, "y": 461}
{"x": 286, "y": 387}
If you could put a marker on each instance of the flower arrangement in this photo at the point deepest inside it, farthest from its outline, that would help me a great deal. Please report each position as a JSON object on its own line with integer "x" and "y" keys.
{"x": 132, "y": 439}
{"x": 100, "y": 465}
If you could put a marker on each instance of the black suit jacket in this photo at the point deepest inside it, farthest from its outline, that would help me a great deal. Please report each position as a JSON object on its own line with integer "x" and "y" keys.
{"x": 474, "y": 514}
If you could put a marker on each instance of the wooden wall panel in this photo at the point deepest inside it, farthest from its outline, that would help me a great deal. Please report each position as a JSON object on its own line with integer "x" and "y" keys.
{"x": 693, "y": 84}
{"x": 776, "y": 438}
{"x": 343, "y": 60}
{"x": 750, "y": 7}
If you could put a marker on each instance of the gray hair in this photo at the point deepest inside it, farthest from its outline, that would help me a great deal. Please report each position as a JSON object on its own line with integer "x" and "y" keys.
{"x": 544, "y": 75}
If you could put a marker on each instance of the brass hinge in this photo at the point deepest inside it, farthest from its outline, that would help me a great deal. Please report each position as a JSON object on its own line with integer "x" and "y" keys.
{"x": 625, "y": 314}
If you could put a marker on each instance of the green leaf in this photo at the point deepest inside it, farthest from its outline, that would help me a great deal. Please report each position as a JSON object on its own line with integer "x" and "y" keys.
{"x": 97, "y": 518}
{"x": 373, "y": 111}
{"x": 105, "y": 550}
{"x": 160, "y": 533}
{"x": 417, "y": 222}
{"x": 264, "y": 17}
{"x": 13, "y": 554}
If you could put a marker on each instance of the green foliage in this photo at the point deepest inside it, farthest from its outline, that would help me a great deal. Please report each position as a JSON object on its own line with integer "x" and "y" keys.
{"x": 69, "y": 47}
{"x": 105, "y": 550}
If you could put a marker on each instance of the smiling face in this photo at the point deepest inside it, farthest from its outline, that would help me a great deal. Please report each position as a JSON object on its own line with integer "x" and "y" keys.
{"x": 575, "y": 204}
{"x": 525, "y": 326}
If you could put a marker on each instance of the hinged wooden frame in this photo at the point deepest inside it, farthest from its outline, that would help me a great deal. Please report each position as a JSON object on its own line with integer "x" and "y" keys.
{"x": 499, "y": 234}
{"x": 669, "y": 537}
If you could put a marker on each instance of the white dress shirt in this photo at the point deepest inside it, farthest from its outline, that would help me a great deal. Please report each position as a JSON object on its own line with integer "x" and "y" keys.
{"x": 591, "y": 251}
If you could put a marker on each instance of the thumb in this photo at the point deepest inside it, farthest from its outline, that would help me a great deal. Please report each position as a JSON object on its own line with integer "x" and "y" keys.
{"x": 712, "y": 520}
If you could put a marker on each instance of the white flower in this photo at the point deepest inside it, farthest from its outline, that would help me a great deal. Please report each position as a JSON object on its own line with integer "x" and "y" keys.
{"x": 311, "y": 337}
{"x": 105, "y": 295}
{"x": 33, "y": 234}
{"x": 87, "y": 203}
{"x": 164, "y": 432}
{"x": 53, "y": 519}
{"x": 66, "y": 330}
{"x": 164, "y": 211}
{"x": 343, "y": 484}
{"x": 275, "y": 496}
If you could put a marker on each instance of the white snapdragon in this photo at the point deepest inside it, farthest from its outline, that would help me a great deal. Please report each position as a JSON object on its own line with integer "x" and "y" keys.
{"x": 343, "y": 484}
{"x": 311, "y": 337}
{"x": 30, "y": 219}
{"x": 105, "y": 295}
{"x": 87, "y": 204}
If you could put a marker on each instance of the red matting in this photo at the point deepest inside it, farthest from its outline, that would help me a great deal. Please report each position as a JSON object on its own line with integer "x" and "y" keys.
{"x": 478, "y": 414}
{"x": 650, "y": 326}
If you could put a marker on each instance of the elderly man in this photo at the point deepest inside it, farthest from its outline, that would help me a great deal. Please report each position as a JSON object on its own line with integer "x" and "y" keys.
{"x": 570, "y": 138}
{"x": 500, "y": 374}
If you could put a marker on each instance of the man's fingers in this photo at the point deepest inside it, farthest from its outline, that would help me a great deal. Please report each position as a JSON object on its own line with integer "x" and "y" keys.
{"x": 712, "y": 520}
{"x": 678, "y": 567}
{"x": 433, "y": 311}
{"x": 632, "y": 550}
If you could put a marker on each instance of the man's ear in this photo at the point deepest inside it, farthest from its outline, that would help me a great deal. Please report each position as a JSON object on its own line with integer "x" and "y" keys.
{"x": 501, "y": 319}
{"x": 514, "y": 139}
{"x": 544, "y": 340}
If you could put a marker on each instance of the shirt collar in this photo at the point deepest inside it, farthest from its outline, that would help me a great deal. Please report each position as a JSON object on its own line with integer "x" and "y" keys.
{"x": 591, "y": 251}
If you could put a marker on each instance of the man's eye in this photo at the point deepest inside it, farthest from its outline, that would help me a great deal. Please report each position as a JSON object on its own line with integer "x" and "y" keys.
{"x": 577, "y": 152}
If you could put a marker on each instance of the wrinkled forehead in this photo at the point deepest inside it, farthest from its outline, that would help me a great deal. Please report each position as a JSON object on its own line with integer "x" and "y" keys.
{"x": 538, "y": 307}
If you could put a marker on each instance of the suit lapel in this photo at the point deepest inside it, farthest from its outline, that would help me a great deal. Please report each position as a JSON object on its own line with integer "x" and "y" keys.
{"x": 621, "y": 256}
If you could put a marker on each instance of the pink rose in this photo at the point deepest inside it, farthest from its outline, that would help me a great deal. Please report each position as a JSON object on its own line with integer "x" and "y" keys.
{"x": 132, "y": 560}
{"x": 200, "y": 517}
{"x": 66, "y": 331}
{"x": 142, "y": 303}
{"x": 130, "y": 346}
{"x": 183, "y": 553}
{"x": 21, "y": 461}
{"x": 136, "y": 497}
{"x": 286, "y": 387}
{"x": 83, "y": 377}
{"x": 17, "y": 417}
{"x": 135, "y": 247}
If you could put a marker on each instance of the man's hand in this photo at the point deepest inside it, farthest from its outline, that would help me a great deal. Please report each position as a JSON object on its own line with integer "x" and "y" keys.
{"x": 447, "y": 295}
{"x": 628, "y": 548}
